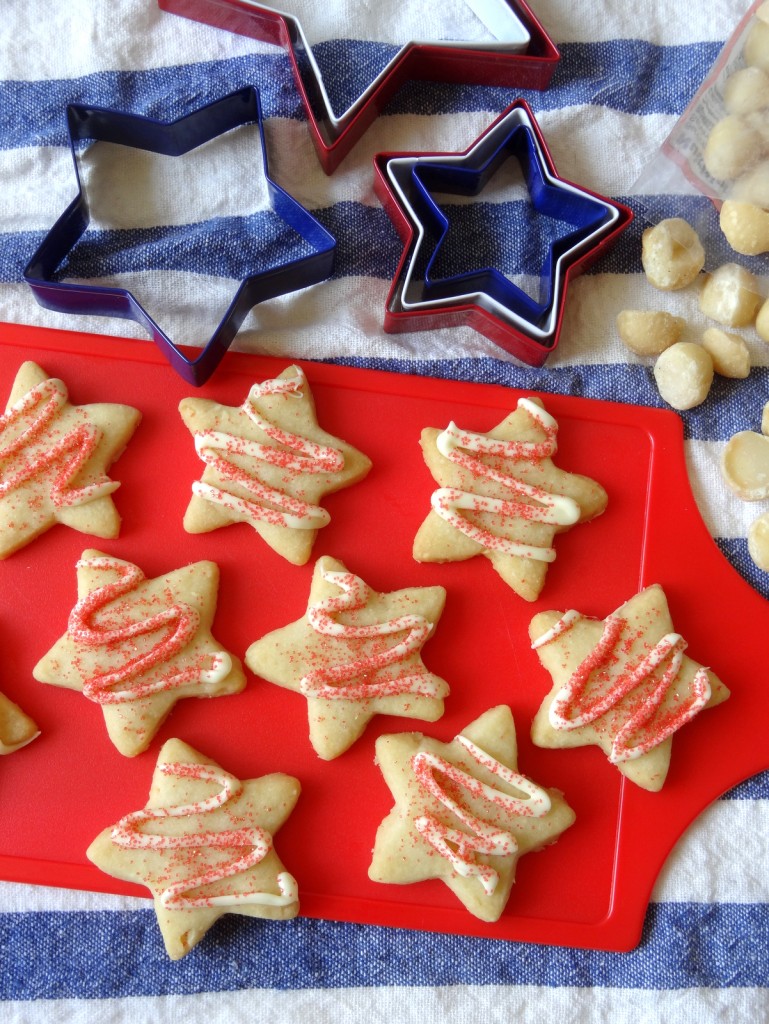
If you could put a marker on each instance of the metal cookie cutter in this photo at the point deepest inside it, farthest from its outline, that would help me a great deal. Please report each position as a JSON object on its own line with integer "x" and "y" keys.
{"x": 486, "y": 299}
{"x": 522, "y": 56}
{"x": 175, "y": 138}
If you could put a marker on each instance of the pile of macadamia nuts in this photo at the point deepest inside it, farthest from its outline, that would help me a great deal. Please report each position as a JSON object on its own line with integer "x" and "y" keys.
{"x": 673, "y": 257}
{"x": 736, "y": 155}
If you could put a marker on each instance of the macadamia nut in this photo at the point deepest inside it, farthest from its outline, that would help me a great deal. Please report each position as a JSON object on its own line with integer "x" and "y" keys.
{"x": 745, "y": 465}
{"x": 684, "y": 373}
{"x": 758, "y": 541}
{"x": 672, "y": 254}
{"x": 765, "y": 419}
{"x": 649, "y": 332}
{"x": 762, "y": 322}
{"x": 730, "y": 354}
{"x": 731, "y": 296}
{"x": 745, "y": 227}
{"x": 756, "y": 49}
{"x": 753, "y": 187}
{"x": 733, "y": 146}
{"x": 746, "y": 90}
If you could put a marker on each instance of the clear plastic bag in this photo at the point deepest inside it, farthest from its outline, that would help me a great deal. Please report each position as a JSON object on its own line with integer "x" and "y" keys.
{"x": 716, "y": 163}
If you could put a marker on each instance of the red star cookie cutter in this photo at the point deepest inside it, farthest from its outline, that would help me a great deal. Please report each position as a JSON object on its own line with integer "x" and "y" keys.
{"x": 489, "y": 304}
{"x": 524, "y": 58}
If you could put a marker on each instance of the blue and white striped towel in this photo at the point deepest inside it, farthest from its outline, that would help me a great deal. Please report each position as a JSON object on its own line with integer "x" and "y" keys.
{"x": 626, "y": 74}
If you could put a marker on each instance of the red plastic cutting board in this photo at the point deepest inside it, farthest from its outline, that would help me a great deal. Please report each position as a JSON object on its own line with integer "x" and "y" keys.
{"x": 592, "y": 887}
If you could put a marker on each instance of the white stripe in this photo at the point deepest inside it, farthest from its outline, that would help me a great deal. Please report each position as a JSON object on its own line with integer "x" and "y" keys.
{"x": 661, "y": 22}
{"x": 81, "y": 37}
{"x": 133, "y": 188}
{"x": 44, "y": 185}
{"x": 15, "y": 897}
{"x": 336, "y": 318}
{"x": 453, "y": 1004}
{"x": 722, "y": 858}
{"x": 294, "y": 165}
{"x": 345, "y": 317}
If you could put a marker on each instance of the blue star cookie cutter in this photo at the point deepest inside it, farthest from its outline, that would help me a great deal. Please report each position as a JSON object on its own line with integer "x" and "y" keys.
{"x": 585, "y": 216}
{"x": 175, "y": 138}
{"x": 485, "y": 298}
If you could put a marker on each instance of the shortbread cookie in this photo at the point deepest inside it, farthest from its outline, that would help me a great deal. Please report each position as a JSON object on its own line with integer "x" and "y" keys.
{"x": 463, "y": 813}
{"x": 203, "y": 846}
{"x": 268, "y": 463}
{"x": 54, "y": 458}
{"x": 137, "y": 645}
{"x": 16, "y": 728}
{"x": 501, "y": 496}
{"x": 623, "y": 684}
{"x": 355, "y": 654}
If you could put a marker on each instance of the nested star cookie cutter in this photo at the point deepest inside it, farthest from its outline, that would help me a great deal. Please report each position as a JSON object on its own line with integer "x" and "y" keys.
{"x": 522, "y": 56}
{"x": 485, "y": 299}
{"x": 175, "y": 138}
{"x": 591, "y": 217}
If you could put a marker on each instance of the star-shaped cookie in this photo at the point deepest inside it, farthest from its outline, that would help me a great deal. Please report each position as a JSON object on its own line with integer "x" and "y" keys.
{"x": 137, "y": 645}
{"x": 463, "y": 813}
{"x": 354, "y": 654}
{"x": 623, "y": 684}
{"x": 16, "y": 728}
{"x": 203, "y": 846}
{"x": 268, "y": 463}
{"x": 501, "y": 496}
{"x": 54, "y": 458}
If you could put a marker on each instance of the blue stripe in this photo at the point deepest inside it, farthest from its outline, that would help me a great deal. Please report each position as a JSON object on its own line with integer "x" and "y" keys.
{"x": 628, "y": 384}
{"x": 756, "y": 788}
{"x": 368, "y": 244}
{"x": 664, "y": 78}
{"x": 32, "y": 112}
{"x": 52, "y": 955}
{"x": 254, "y": 244}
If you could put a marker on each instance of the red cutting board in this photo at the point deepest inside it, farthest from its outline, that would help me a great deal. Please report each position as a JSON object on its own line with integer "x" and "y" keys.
{"x": 592, "y": 887}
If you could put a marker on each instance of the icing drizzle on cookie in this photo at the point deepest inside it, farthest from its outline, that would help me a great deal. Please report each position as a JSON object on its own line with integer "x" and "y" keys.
{"x": 462, "y": 448}
{"x": 177, "y": 624}
{"x": 352, "y": 680}
{"x": 128, "y": 833}
{"x": 294, "y": 455}
{"x": 40, "y": 445}
{"x": 573, "y": 706}
{"x": 456, "y": 845}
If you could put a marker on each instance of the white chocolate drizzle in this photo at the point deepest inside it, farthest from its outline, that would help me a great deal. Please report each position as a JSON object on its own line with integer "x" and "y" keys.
{"x": 177, "y": 625}
{"x": 128, "y": 833}
{"x": 225, "y": 454}
{"x": 449, "y": 502}
{"x": 572, "y": 707}
{"x": 353, "y": 680}
{"x": 456, "y": 845}
{"x": 38, "y": 447}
